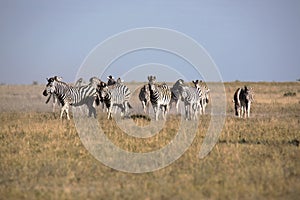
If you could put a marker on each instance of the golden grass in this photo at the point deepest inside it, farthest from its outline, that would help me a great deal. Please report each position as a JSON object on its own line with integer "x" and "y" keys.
{"x": 42, "y": 157}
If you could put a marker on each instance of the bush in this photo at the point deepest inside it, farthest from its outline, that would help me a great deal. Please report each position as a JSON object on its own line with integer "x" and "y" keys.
{"x": 289, "y": 94}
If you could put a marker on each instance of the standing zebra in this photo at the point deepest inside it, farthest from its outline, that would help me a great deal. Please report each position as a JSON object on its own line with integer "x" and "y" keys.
{"x": 144, "y": 97}
{"x": 203, "y": 91}
{"x": 191, "y": 98}
{"x": 78, "y": 83}
{"x": 115, "y": 95}
{"x": 160, "y": 97}
{"x": 242, "y": 101}
{"x": 176, "y": 96}
{"x": 69, "y": 95}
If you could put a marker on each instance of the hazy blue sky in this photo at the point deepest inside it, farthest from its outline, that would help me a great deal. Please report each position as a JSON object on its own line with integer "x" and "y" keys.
{"x": 257, "y": 40}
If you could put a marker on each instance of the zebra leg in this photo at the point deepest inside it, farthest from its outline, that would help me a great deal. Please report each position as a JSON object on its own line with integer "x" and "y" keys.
{"x": 109, "y": 113}
{"x": 203, "y": 110}
{"x": 239, "y": 111}
{"x": 67, "y": 111}
{"x": 186, "y": 111}
{"x": 54, "y": 102}
{"x": 148, "y": 108}
{"x": 123, "y": 109}
{"x": 195, "y": 112}
{"x": 236, "y": 110}
{"x": 115, "y": 109}
{"x": 190, "y": 111}
{"x": 177, "y": 105}
{"x": 156, "y": 111}
{"x": 144, "y": 106}
{"x": 242, "y": 112}
{"x": 127, "y": 106}
{"x": 92, "y": 111}
{"x": 248, "y": 110}
{"x": 163, "y": 109}
{"x": 63, "y": 109}
{"x": 62, "y": 112}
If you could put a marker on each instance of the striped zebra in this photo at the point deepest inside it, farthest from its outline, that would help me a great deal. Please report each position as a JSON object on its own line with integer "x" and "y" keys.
{"x": 71, "y": 96}
{"x": 160, "y": 97}
{"x": 175, "y": 92}
{"x": 243, "y": 97}
{"x": 78, "y": 83}
{"x": 115, "y": 95}
{"x": 191, "y": 98}
{"x": 144, "y": 97}
{"x": 203, "y": 91}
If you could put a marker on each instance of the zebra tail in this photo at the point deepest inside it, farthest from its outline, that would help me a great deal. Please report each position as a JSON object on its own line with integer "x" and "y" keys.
{"x": 48, "y": 99}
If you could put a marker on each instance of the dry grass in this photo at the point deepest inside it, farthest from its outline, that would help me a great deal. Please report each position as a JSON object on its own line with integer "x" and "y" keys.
{"x": 43, "y": 158}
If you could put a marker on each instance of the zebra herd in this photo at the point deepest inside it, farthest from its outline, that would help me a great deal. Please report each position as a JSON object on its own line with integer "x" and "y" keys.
{"x": 114, "y": 94}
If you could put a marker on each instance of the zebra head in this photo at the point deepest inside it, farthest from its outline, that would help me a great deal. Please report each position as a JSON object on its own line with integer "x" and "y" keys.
{"x": 95, "y": 82}
{"x": 145, "y": 89}
{"x": 50, "y": 87}
{"x": 248, "y": 93}
{"x": 102, "y": 90}
{"x": 119, "y": 81}
{"x": 197, "y": 83}
{"x": 152, "y": 79}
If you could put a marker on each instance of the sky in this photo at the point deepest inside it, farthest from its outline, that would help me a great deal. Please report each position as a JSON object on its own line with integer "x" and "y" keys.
{"x": 257, "y": 40}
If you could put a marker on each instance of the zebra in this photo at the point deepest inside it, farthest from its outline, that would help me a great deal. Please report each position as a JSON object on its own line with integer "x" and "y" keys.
{"x": 78, "y": 83}
{"x": 203, "y": 91}
{"x": 242, "y": 98}
{"x": 191, "y": 98}
{"x": 160, "y": 97}
{"x": 144, "y": 97}
{"x": 115, "y": 95}
{"x": 72, "y": 96}
{"x": 176, "y": 96}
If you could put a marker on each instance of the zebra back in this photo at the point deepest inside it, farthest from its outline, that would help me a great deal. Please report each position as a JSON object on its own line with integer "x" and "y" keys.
{"x": 71, "y": 94}
{"x": 115, "y": 94}
{"x": 190, "y": 95}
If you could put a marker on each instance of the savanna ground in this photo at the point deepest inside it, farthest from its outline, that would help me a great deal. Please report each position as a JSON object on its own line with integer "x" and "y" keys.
{"x": 42, "y": 157}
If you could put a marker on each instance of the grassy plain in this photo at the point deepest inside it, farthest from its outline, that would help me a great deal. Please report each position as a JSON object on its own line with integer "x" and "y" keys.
{"x": 42, "y": 157}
